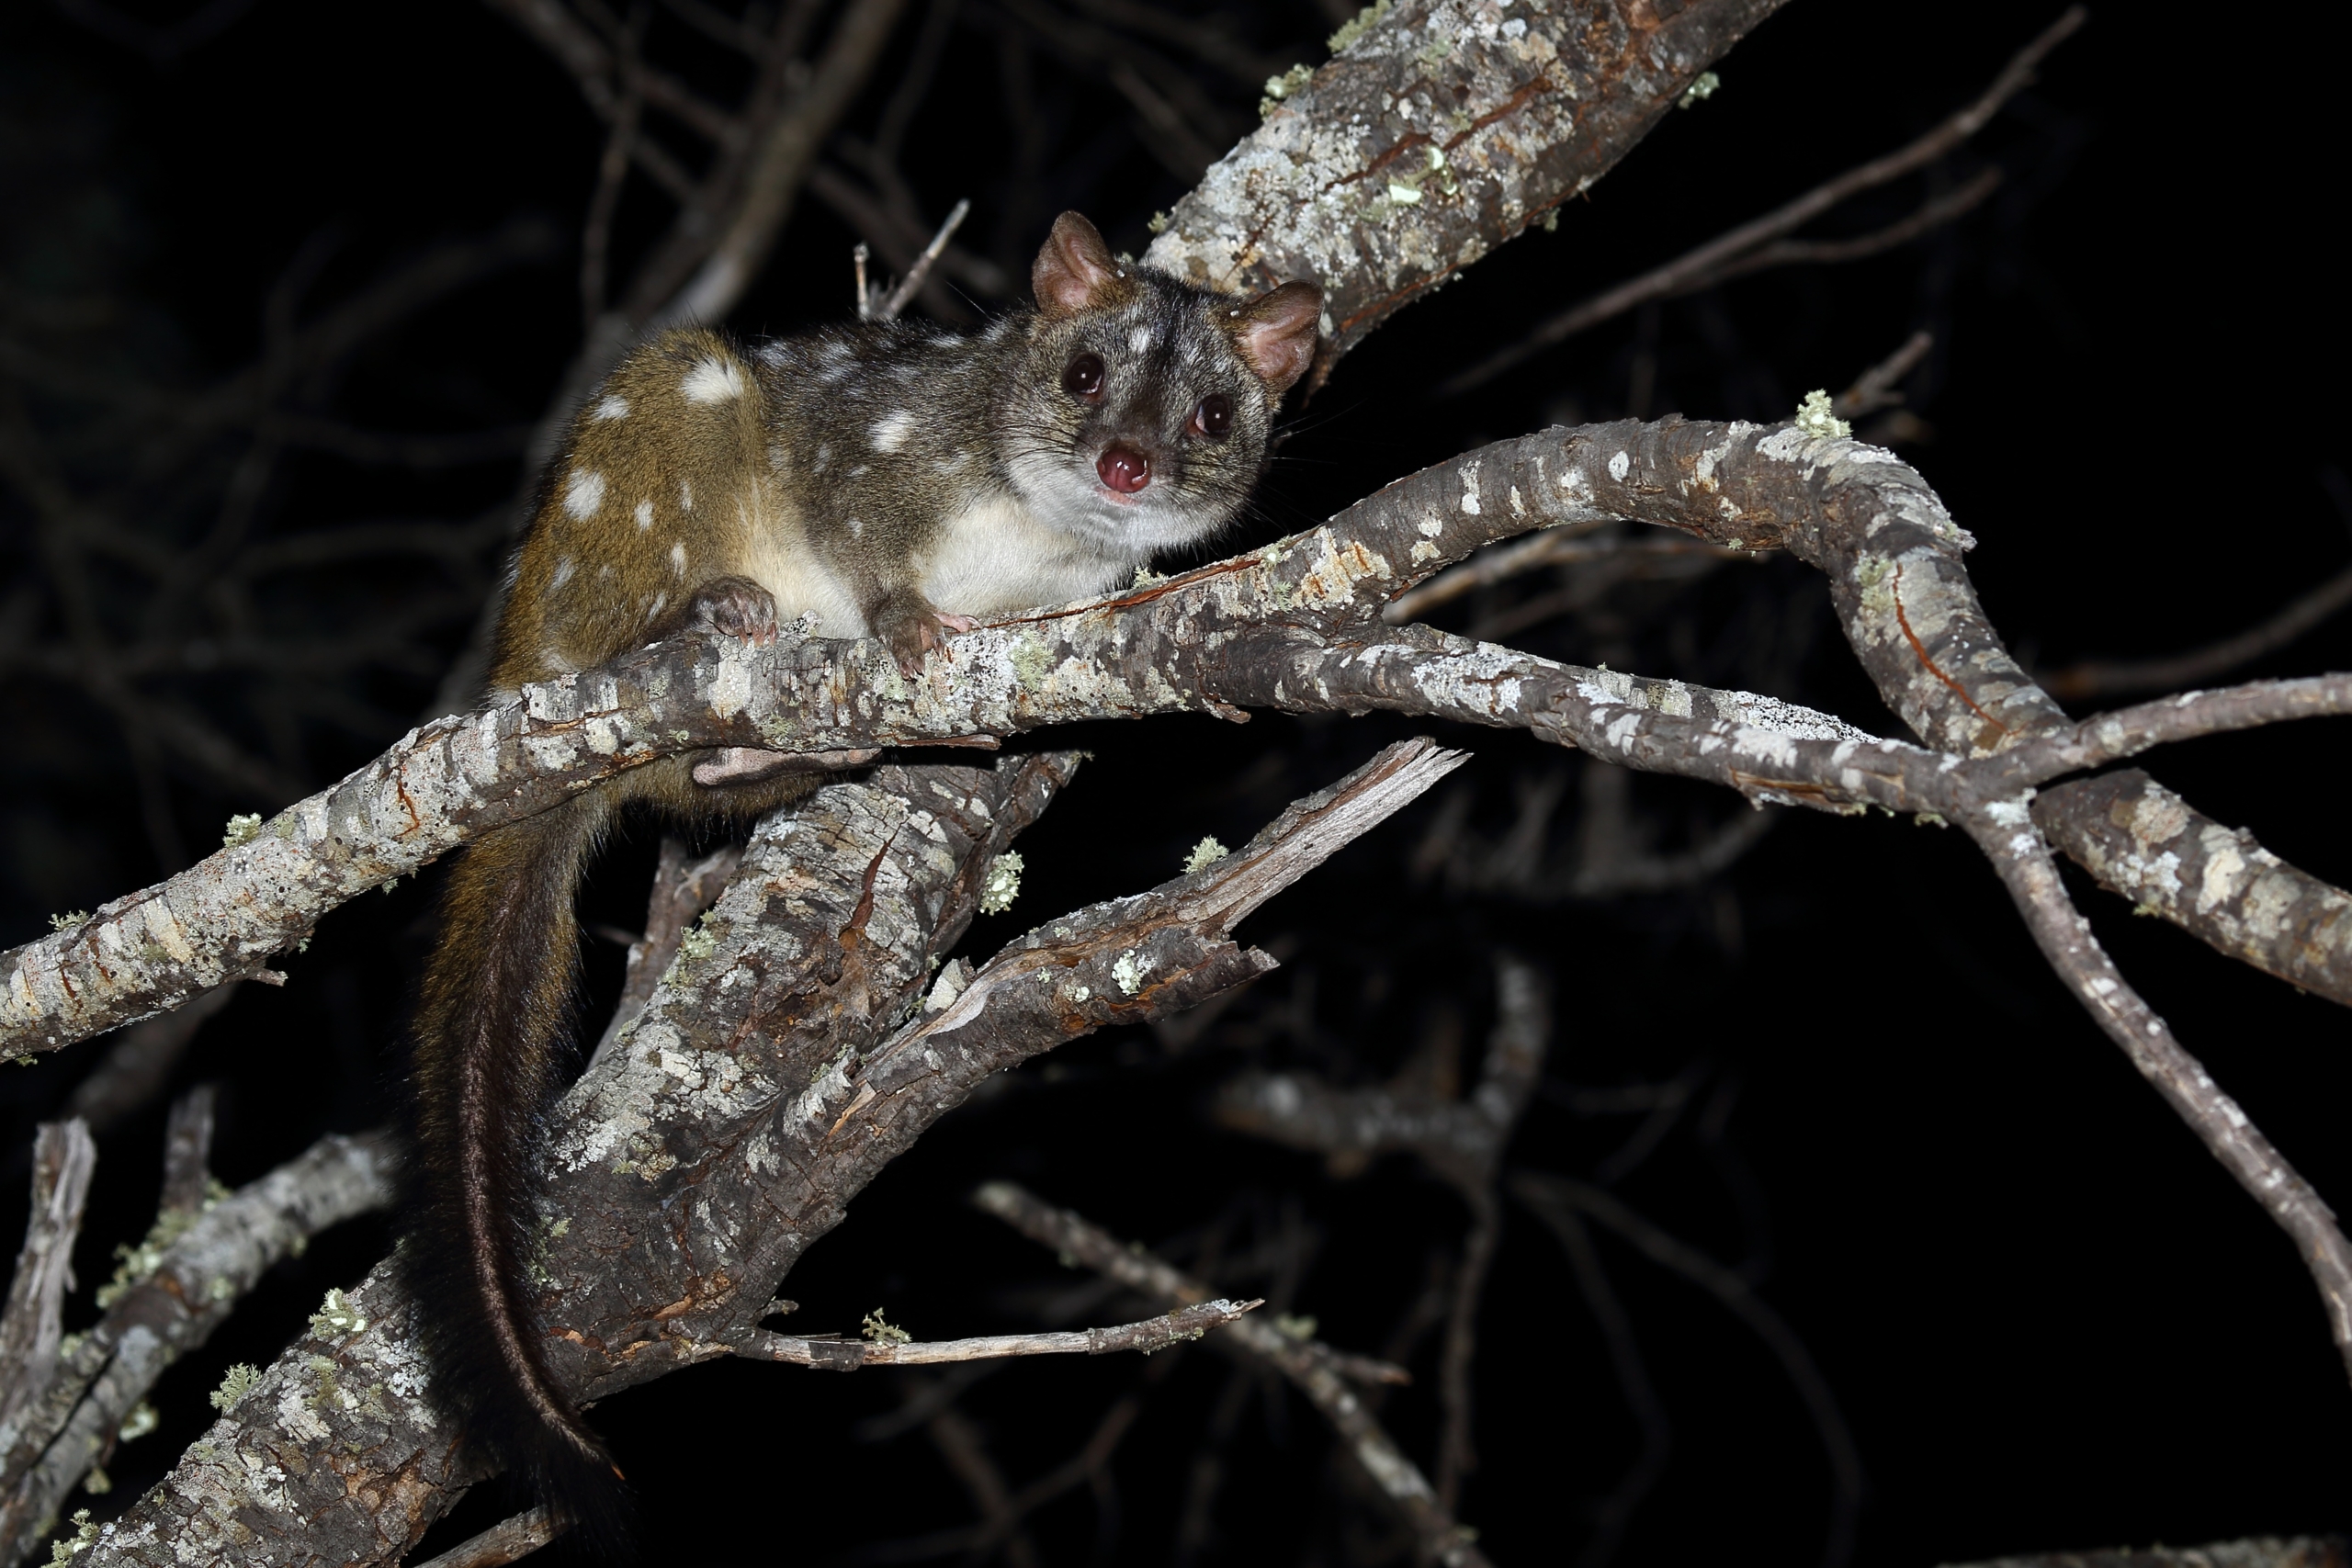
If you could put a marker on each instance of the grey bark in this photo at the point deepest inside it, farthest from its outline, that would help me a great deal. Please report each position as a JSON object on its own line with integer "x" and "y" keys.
{"x": 1433, "y": 138}
{"x": 769, "y": 1078}
{"x": 192, "y": 1286}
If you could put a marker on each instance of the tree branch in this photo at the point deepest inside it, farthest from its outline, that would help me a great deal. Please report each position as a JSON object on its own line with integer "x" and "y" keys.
{"x": 1535, "y": 111}
{"x": 1306, "y": 1363}
{"x": 764, "y": 1085}
{"x": 173, "y": 1294}
{"x": 835, "y": 1354}
{"x": 1762, "y": 242}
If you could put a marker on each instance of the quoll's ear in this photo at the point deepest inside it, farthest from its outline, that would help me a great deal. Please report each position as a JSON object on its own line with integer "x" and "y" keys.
{"x": 1074, "y": 270}
{"x": 1277, "y": 333}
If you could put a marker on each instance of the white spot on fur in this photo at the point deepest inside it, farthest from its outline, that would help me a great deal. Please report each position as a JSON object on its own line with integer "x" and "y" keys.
{"x": 644, "y": 515}
{"x": 562, "y": 574}
{"x": 1140, "y": 340}
{"x": 712, "y": 381}
{"x": 613, "y": 408}
{"x": 654, "y": 607}
{"x": 891, "y": 432}
{"x": 583, "y": 493}
{"x": 678, "y": 557}
{"x": 685, "y": 496}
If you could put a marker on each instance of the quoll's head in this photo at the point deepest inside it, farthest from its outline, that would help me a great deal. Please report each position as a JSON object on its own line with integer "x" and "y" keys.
{"x": 1145, "y": 415}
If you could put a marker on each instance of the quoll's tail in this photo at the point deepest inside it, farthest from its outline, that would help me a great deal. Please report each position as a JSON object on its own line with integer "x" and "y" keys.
{"x": 494, "y": 1013}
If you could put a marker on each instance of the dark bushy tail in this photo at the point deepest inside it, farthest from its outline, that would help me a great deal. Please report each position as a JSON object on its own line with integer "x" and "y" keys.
{"x": 494, "y": 1014}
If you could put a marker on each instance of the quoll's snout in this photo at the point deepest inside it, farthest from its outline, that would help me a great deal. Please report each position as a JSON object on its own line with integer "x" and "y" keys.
{"x": 1123, "y": 469}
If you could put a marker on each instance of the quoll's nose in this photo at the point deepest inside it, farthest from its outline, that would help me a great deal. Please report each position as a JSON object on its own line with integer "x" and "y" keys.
{"x": 1123, "y": 469}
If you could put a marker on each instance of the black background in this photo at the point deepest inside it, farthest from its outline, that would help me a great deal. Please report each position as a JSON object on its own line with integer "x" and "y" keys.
{"x": 2051, "y": 1319}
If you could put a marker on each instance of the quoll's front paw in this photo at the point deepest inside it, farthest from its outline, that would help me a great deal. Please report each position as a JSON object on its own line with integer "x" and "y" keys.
{"x": 737, "y": 606}
{"x": 909, "y": 628}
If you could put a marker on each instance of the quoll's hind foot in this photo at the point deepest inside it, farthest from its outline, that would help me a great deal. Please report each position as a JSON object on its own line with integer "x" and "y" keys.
{"x": 908, "y": 626}
{"x": 749, "y": 765}
{"x": 737, "y": 606}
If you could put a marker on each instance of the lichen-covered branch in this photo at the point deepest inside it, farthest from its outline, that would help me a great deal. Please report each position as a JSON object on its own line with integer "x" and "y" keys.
{"x": 2027, "y": 867}
{"x": 32, "y": 1318}
{"x": 768, "y": 1080}
{"x": 177, "y": 1288}
{"x": 1292, "y": 625}
{"x": 2144, "y": 843}
{"x": 1437, "y": 133}
{"x": 1305, "y": 1362}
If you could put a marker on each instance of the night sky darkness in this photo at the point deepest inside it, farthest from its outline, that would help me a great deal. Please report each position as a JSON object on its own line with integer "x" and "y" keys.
{"x": 2049, "y": 1317}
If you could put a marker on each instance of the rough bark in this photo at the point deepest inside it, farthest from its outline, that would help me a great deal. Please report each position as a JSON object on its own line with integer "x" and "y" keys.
{"x": 1432, "y": 138}
{"x": 189, "y": 1288}
{"x": 767, "y": 1081}
{"x": 1294, "y": 625}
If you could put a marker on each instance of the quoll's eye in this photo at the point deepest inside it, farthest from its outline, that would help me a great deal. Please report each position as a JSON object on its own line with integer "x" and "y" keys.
{"x": 1214, "y": 417}
{"x": 1083, "y": 377}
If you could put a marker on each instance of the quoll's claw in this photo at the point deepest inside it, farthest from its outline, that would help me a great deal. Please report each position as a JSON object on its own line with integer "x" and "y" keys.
{"x": 737, "y": 606}
{"x": 957, "y": 623}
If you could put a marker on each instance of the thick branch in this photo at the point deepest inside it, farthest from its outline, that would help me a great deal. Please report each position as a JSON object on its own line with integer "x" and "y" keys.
{"x": 190, "y": 1289}
{"x": 1294, "y": 625}
{"x": 2146, "y": 844}
{"x": 765, "y": 1084}
{"x": 1434, "y": 137}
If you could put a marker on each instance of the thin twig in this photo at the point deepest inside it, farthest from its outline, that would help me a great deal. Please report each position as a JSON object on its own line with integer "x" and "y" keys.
{"x": 2124, "y": 677}
{"x": 2006, "y": 835}
{"x": 1736, "y": 250}
{"x": 911, "y": 285}
{"x": 838, "y": 1355}
{"x": 1547, "y": 1195}
{"x": 502, "y": 1543}
{"x": 1874, "y": 389}
{"x": 1299, "y": 1360}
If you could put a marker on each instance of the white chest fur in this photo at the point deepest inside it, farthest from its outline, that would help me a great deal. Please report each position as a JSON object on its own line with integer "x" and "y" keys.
{"x": 998, "y": 556}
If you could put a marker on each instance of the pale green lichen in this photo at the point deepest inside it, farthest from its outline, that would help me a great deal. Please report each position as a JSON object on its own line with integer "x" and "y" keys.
{"x": 1002, "y": 885}
{"x": 1355, "y": 26}
{"x": 241, "y": 829}
{"x": 97, "y": 1483}
{"x": 142, "y": 1420}
{"x": 134, "y": 1264}
{"x": 1301, "y": 1327}
{"x": 322, "y": 1397}
{"x": 882, "y": 1332}
{"x": 84, "y": 1536}
{"x": 1128, "y": 973}
{"x": 1146, "y": 577}
{"x": 700, "y": 941}
{"x": 68, "y": 921}
{"x": 242, "y": 1379}
{"x": 1207, "y": 853}
{"x": 1158, "y": 223}
{"x": 1814, "y": 419}
{"x": 1281, "y": 87}
{"x": 1702, "y": 88}
{"x": 338, "y": 1318}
